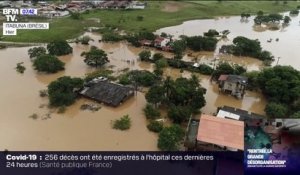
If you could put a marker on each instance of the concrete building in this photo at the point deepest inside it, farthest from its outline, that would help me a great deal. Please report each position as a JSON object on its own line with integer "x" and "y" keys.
{"x": 233, "y": 84}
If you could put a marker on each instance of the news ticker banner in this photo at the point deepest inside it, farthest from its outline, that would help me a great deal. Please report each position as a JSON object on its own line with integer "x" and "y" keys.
{"x": 11, "y": 25}
{"x": 272, "y": 147}
{"x": 116, "y": 163}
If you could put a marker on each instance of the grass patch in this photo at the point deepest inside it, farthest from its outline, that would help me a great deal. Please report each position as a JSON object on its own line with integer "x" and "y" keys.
{"x": 154, "y": 17}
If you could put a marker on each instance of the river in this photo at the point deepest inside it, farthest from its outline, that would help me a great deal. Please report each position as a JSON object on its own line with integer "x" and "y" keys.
{"x": 286, "y": 49}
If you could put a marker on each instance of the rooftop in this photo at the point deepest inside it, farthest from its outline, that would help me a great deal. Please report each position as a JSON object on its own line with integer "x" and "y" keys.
{"x": 233, "y": 78}
{"x": 221, "y": 131}
{"x": 237, "y": 114}
{"x": 106, "y": 92}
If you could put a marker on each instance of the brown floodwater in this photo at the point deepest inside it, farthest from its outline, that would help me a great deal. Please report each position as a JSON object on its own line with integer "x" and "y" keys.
{"x": 85, "y": 130}
{"x": 75, "y": 129}
{"x": 286, "y": 49}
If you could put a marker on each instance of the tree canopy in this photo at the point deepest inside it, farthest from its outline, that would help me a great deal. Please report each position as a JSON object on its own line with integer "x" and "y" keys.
{"x": 48, "y": 63}
{"x": 280, "y": 83}
{"x": 276, "y": 110}
{"x": 145, "y": 55}
{"x": 243, "y": 46}
{"x": 59, "y": 47}
{"x": 62, "y": 91}
{"x": 199, "y": 43}
{"x": 226, "y": 68}
{"x": 170, "y": 137}
{"x": 138, "y": 77}
{"x": 36, "y": 51}
{"x": 95, "y": 57}
{"x": 181, "y": 92}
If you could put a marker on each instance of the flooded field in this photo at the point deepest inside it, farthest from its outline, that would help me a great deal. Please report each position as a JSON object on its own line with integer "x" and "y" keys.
{"x": 75, "y": 129}
{"x": 86, "y": 130}
{"x": 286, "y": 49}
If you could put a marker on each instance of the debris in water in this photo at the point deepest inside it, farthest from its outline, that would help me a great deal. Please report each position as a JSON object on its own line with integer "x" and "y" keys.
{"x": 20, "y": 67}
{"x": 91, "y": 107}
{"x": 34, "y": 116}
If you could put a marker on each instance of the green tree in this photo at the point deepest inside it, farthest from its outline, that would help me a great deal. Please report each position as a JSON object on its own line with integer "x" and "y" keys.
{"x": 36, "y": 51}
{"x": 170, "y": 137}
{"x": 178, "y": 47}
{"x": 280, "y": 83}
{"x": 211, "y": 33}
{"x": 199, "y": 43}
{"x": 59, "y": 47}
{"x": 286, "y": 20}
{"x": 276, "y": 110}
{"x": 48, "y": 63}
{"x": 223, "y": 68}
{"x": 179, "y": 114}
{"x": 155, "y": 95}
{"x": 155, "y": 126}
{"x": 157, "y": 56}
{"x": 145, "y": 55}
{"x": 161, "y": 63}
{"x": 62, "y": 91}
{"x": 252, "y": 79}
{"x": 95, "y": 57}
{"x": 151, "y": 112}
{"x": 124, "y": 123}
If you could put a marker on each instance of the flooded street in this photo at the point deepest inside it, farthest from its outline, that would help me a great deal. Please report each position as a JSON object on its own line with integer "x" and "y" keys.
{"x": 286, "y": 48}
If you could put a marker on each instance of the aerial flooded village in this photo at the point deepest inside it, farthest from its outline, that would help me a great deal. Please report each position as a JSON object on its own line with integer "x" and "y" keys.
{"x": 114, "y": 75}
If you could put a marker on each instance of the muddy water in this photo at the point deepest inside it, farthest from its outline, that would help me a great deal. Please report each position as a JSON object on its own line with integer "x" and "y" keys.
{"x": 252, "y": 101}
{"x": 286, "y": 49}
{"x": 77, "y": 129}
{"x": 73, "y": 130}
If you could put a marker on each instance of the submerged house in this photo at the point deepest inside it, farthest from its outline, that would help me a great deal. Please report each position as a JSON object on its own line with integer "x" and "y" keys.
{"x": 106, "y": 92}
{"x": 233, "y": 84}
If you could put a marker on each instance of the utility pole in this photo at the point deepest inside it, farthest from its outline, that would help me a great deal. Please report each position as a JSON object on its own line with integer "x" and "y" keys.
{"x": 277, "y": 61}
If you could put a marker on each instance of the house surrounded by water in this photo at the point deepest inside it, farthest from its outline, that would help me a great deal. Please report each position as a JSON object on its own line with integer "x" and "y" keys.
{"x": 233, "y": 84}
{"x": 109, "y": 93}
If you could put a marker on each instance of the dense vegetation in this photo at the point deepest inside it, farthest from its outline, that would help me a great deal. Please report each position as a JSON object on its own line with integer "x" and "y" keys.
{"x": 155, "y": 126}
{"x": 243, "y": 46}
{"x": 59, "y": 47}
{"x": 265, "y": 19}
{"x": 226, "y": 68}
{"x": 200, "y": 43}
{"x": 138, "y": 78}
{"x": 151, "y": 112}
{"x": 36, "y": 51}
{"x": 185, "y": 96}
{"x": 48, "y": 63}
{"x": 281, "y": 85}
{"x": 95, "y": 57}
{"x": 62, "y": 92}
{"x": 170, "y": 137}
